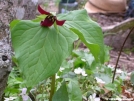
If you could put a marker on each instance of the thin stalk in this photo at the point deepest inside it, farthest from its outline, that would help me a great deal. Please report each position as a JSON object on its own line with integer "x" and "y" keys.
{"x": 66, "y": 6}
{"x": 52, "y": 87}
{"x": 120, "y": 54}
{"x": 78, "y": 43}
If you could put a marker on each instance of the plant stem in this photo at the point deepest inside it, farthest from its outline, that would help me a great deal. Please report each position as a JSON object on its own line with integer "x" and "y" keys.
{"x": 78, "y": 43}
{"x": 52, "y": 87}
{"x": 120, "y": 54}
{"x": 66, "y": 6}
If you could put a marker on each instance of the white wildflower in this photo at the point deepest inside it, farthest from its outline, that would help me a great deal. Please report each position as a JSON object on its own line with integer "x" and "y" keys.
{"x": 84, "y": 73}
{"x": 57, "y": 77}
{"x": 94, "y": 98}
{"x": 10, "y": 99}
{"x": 80, "y": 71}
{"x": 61, "y": 69}
{"x": 111, "y": 66}
{"x": 99, "y": 80}
{"x": 84, "y": 60}
{"x": 119, "y": 71}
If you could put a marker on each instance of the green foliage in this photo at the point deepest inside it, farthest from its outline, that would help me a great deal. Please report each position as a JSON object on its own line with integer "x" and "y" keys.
{"x": 74, "y": 90}
{"x": 61, "y": 94}
{"x": 14, "y": 82}
{"x": 48, "y": 47}
{"x": 88, "y": 31}
{"x": 40, "y": 51}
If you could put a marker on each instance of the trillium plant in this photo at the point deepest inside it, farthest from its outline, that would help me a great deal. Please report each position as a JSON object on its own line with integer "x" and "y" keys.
{"x": 41, "y": 46}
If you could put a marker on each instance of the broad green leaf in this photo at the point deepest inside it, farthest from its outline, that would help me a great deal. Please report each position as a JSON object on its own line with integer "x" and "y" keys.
{"x": 74, "y": 90}
{"x": 61, "y": 94}
{"x": 88, "y": 31}
{"x": 40, "y": 51}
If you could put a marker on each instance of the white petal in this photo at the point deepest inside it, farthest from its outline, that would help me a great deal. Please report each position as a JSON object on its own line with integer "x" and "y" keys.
{"x": 97, "y": 99}
{"x": 12, "y": 98}
{"x": 99, "y": 80}
{"x": 84, "y": 73}
{"x": 6, "y": 99}
{"x": 84, "y": 60}
{"x": 57, "y": 77}
{"x": 119, "y": 71}
{"x": 110, "y": 66}
{"x": 61, "y": 69}
{"x": 94, "y": 95}
{"x": 78, "y": 71}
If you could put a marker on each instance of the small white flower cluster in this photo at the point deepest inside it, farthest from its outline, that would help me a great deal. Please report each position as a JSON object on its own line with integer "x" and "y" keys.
{"x": 80, "y": 71}
{"x": 99, "y": 80}
{"x": 61, "y": 69}
{"x": 94, "y": 98}
{"x": 10, "y": 99}
{"x": 118, "y": 71}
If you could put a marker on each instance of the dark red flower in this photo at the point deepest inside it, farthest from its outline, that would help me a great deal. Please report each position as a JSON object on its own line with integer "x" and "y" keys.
{"x": 50, "y": 19}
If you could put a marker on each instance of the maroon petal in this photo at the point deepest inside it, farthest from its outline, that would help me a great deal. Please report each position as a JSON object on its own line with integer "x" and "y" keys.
{"x": 47, "y": 22}
{"x": 43, "y": 11}
{"x": 60, "y": 23}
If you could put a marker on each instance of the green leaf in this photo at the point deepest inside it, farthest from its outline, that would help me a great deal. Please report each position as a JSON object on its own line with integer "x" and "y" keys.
{"x": 74, "y": 90}
{"x": 15, "y": 61}
{"x": 87, "y": 57}
{"x": 61, "y": 94}
{"x": 13, "y": 23}
{"x": 40, "y": 51}
{"x": 107, "y": 56}
{"x": 105, "y": 77}
{"x": 78, "y": 62}
{"x": 88, "y": 31}
{"x": 110, "y": 87}
{"x": 132, "y": 77}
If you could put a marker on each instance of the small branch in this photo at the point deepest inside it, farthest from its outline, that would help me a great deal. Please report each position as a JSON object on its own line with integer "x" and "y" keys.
{"x": 120, "y": 54}
{"x": 52, "y": 87}
{"x": 126, "y": 24}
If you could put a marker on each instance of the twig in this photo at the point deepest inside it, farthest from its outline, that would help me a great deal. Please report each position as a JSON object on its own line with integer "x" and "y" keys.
{"x": 126, "y": 24}
{"x": 123, "y": 57}
{"x": 120, "y": 54}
